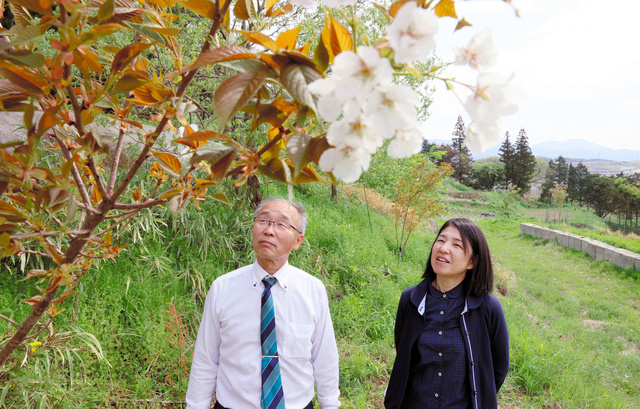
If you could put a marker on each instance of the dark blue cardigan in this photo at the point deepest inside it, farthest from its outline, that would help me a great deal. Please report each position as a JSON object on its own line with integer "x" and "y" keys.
{"x": 487, "y": 346}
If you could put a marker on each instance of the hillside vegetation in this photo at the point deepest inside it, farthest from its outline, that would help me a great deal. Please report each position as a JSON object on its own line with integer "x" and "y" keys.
{"x": 126, "y": 337}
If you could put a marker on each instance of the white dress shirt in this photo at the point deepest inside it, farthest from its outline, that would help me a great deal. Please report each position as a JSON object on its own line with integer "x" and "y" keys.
{"x": 227, "y": 355}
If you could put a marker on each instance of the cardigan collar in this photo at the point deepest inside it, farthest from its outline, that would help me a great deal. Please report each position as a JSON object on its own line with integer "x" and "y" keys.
{"x": 420, "y": 292}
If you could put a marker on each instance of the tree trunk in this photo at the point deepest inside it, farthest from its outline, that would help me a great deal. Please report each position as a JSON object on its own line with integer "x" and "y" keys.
{"x": 254, "y": 190}
{"x": 334, "y": 192}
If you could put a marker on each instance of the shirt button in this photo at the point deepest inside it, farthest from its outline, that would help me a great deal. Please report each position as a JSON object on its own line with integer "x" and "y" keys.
{"x": 441, "y": 312}
{"x": 444, "y": 295}
{"x": 439, "y": 373}
{"x": 439, "y": 332}
{"x": 439, "y": 353}
{"x": 436, "y": 395}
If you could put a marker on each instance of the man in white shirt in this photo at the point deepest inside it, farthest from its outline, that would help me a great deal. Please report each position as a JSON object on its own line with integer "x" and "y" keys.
{"x": 227, "y": 356}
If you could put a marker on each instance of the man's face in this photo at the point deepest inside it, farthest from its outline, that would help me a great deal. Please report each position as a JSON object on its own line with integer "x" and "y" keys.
{"x": 271, "y": 244}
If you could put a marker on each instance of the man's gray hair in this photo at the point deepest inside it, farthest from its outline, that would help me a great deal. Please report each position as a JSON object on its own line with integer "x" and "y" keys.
{"x": 302, "y": 214}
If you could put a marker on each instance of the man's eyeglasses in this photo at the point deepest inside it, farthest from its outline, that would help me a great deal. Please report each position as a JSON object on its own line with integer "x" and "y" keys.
{"x": 279, "y": 226}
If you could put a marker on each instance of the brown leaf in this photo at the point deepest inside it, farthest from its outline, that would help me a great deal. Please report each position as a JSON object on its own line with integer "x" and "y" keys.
{"x": 395, "y": 7}
{"x": 25, "y": 80}
{"x": 298, "y": 149}
{"x": 234, "y": 92}
{"x": 219, "y": 157}
{"x": 126, "y": 55}
{"x": 34, "y": 273}
{"x": 33, "y": 301}
{"x": 151, "y": 94}
{"x": 200, "y": 138}
{"x": 169, "y": 163}
{"x": 260, "y": 39}
{"x": 336, "y": 37}
{"x": 461, "y": 24}
{"x": 162, "y": 3}
{"x": 296, "y": 78}
{"x": 221, "y": 197}
{"x": 275, "y": 170}
{"x": 203, "y": 8}
{"x": 220, "y": 54}
{"x": 244, "y": 10}
{"x": 39, "y": 6}
{"x": 288, "y": 8}
{"x": 275, "y": 113}
{"x": 446, "y": 8}
{"x": 288, "y": 39}
{"x": 170, "y": 193}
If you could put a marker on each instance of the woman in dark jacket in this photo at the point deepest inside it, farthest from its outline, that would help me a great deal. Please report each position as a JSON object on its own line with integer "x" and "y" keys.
{"x": 452, "y": 342}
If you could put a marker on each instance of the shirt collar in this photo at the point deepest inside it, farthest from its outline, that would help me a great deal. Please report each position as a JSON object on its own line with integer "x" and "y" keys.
{"x": 283, "y": 275}
{"x": 457, "y": 291}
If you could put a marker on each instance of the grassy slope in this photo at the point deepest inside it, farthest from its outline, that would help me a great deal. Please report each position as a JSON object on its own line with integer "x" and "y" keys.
{"x": 573, "y": 322}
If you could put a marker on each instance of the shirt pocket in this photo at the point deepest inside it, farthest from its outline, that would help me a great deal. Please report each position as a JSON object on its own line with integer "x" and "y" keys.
{"x": 297, "y": 341}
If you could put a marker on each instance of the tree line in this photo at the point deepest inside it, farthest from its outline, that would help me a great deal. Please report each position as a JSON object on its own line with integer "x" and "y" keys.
{"x": 516, "y": 166}
{"x": 517, "y": 169}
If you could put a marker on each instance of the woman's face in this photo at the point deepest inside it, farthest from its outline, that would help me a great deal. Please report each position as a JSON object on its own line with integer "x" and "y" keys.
{"x": 448, "y": 256}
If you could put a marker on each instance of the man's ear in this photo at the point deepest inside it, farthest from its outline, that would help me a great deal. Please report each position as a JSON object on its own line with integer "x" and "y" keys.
{"x": 298, "y": 242}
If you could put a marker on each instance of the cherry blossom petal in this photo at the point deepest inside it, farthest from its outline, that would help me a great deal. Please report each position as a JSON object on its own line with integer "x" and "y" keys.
{"x": 411, "y": 34}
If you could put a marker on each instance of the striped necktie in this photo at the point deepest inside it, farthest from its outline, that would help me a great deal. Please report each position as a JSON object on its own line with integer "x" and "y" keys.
{"x": 272, "y": 394}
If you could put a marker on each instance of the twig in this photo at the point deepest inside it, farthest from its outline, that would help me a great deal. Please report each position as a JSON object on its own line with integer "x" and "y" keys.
{"x": 76, "y": 175}
{"x": 9, "y": 320}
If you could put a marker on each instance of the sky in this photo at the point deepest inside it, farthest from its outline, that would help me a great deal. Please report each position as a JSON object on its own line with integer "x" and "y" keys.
{"x": 577, "y": 62}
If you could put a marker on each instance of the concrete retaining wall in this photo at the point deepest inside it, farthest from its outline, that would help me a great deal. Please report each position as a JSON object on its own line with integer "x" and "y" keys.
{"x": 596, "y": 249}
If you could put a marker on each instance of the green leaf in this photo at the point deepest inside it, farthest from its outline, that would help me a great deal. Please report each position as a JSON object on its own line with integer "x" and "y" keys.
{"x": 147, "y": 32}
{"x": 24, "y": 36}
{"x": 234, "y": 92}
{"x": 296, "y": 79}
{"x": 298, "y": 149}
{"x": 24, "y": 57}
{"x": 219, "y": 157}
{"x": 106, "y": 10}
{"x": 128, "y": 83}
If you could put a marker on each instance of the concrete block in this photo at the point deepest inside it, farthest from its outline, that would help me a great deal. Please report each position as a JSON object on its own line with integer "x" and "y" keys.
{"x": 600, "y": 250}
{"x": 610, "y": 254}
{"x": 589, "y": 247}
{"x": 624, "y": 258}
{"x": 563, "y": 239}
{"x": 575, "y": 242}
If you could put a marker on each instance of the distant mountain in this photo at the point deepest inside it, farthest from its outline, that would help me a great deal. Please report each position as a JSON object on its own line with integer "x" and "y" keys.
{"x": 573, "y": 149}
{"x": 581, "y": 149}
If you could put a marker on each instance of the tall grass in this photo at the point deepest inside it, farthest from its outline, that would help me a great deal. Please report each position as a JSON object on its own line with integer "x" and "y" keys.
{"x": 573, "y": 321}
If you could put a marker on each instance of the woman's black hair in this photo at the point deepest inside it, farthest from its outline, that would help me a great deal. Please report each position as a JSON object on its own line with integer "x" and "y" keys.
{"x": 479, "y": 279}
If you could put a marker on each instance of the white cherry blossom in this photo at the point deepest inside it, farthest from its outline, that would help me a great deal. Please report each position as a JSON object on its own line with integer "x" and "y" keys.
{"x": 405, "y": 143}
{"x": 345, "y": 162}
{"x": 411, "y": 34}
{"x": 494, "y": 98}
{"x": 392, "y": 107}
{"x": 481, "y": 136}
{"x": 358, "y": 74}
{"x": 481, "y": 52}
{"x": 357, "y": 131}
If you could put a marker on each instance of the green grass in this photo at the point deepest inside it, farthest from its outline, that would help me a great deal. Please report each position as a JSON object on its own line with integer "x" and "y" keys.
{"x": 573, "y": 321}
